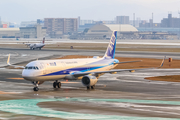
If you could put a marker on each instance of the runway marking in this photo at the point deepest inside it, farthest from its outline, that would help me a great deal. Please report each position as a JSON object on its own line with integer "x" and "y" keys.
{"x": 29, "y": 107}
{"x": 16, "y": 78}
{"x": 1, "y": 92}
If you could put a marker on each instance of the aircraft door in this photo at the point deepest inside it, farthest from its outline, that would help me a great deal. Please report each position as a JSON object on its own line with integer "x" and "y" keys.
{"x": 88, "y": 67}
{"x": 34, "y": 46}
{"x": 43, "y": 66}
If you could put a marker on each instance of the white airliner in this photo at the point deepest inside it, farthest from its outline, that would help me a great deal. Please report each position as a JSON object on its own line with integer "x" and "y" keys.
{"x": 33, "y": 46}
{"x": 87, "y": 69}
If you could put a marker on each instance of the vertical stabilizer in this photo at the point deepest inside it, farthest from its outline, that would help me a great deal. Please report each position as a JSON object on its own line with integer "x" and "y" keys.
{"x": 43, "y": 40}
{"x": 110, "y": 52}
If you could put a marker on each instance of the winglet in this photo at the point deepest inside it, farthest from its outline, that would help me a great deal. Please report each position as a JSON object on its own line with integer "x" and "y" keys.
{"x": 8, "y": 60}
{"x": 162, "y": 63}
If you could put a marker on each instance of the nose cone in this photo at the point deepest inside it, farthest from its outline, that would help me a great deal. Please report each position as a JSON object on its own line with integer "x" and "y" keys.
{"x": 28, "y": 74}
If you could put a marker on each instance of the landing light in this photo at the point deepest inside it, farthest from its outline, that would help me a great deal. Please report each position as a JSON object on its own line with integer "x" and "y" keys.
{"x": 132, "y": 71}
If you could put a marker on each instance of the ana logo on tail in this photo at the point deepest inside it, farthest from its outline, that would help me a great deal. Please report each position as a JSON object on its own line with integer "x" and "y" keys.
{"x": 110, "y": 52}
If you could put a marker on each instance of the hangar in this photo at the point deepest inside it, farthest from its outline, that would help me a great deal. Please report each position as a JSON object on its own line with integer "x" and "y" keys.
{"x": 101, "y": 31}
{"x": 9, "y": 32}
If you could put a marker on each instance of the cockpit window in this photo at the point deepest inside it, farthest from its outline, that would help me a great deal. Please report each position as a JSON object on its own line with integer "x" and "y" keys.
{"x": 32, "y": 67}
{"x": 37, "y": 68}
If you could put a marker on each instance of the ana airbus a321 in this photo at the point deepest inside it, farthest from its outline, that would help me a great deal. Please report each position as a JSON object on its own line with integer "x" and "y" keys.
{"x": 88, "y": 69}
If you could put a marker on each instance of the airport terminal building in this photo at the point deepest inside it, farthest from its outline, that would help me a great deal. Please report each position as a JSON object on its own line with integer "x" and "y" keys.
{"x": 103, "y": 31}
{"x": 33, "y": 32}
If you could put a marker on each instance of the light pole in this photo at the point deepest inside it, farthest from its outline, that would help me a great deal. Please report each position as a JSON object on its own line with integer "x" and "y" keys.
{"x": 179, "y": 23}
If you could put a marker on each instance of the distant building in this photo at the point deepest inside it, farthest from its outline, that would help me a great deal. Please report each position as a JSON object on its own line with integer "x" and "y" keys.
{"x": 33, "y": 32}
{"x": 103, "y": 31}
{"x": 79, "y": 19}
{"x": 13, "y": 25}
{"x": 150, "y": 24}
{"x": 122, "y": 19}
{"x": 136, "y": 22}
{"x": 109, "y": 22}
{"x": 83, "y": 22}
{"x": 85, "y": 26}
{"x": 56, "y": 27}
{"x": 170, "y": 22}
{"x": 28, "y": 23}
{"x": 9, "y": 32}
{"x": 0, "y": 23}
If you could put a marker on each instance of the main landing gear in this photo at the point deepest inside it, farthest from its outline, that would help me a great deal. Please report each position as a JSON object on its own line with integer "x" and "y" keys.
{"x": 90, "y": 87}
{"x": 57, "y": 84}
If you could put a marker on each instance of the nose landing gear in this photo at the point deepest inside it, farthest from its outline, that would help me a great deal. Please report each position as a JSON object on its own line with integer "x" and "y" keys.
{"x": 57, "y": 84}
{"x": 35, "y": 88}
{"x": 36, "y": 83}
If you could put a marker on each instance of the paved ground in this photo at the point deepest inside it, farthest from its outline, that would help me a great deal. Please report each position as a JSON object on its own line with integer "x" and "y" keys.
{"x": 119, "y": 96}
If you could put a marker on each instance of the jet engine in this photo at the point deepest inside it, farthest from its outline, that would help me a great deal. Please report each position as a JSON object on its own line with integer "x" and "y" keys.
{"x": 89, "y": 80}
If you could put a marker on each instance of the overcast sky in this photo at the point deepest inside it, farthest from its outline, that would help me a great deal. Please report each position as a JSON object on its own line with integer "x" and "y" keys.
{"x": 28, "y": 10}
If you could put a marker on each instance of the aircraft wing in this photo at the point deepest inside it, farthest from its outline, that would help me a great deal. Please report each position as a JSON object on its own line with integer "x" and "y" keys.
{"x": 115, "y": 70}
{"x": 27, "y": 44}
{"x": 14, "y": 66}
{"x": 110, "y": 71}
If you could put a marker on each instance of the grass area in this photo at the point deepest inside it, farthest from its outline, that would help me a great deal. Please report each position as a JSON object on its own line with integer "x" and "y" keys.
{"x": 173, "y": 78}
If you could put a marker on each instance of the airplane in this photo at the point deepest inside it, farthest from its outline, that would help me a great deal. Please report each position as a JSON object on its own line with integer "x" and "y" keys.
{"x": 33, "y": 46}
{"x": 88, "y": 70}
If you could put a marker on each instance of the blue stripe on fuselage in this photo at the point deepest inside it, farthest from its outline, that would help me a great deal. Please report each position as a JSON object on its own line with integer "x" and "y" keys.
{"x": 82, "y": 69}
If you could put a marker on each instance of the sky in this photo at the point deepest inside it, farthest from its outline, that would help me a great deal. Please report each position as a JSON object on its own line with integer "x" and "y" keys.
{"x": 31, "y": 10}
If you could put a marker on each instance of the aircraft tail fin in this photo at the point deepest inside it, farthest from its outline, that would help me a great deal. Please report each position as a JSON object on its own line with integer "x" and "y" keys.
{"x": 110, "y": 52}
{"x": 43, "y": 40}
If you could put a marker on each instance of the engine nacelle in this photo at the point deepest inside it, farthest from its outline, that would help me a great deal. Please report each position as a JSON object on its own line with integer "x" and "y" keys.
{"x": 89, "y": 80}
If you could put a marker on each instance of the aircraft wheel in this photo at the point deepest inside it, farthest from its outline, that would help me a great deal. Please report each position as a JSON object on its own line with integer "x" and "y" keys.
{"x": 54, "y": 84}
{"x": 92, "y": 87}
{"x": 59, "y": 84}
{"x": 33, "y": 48}
{"x": 36, "y": 89}
{"x": 88, "y": 88}
{"x": 39, "y": 48}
